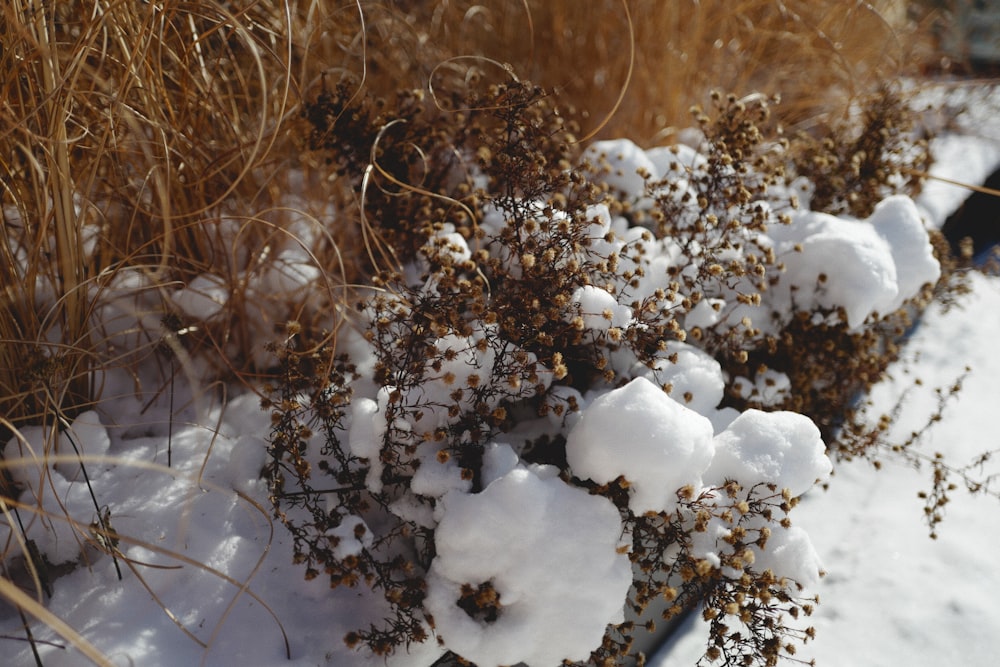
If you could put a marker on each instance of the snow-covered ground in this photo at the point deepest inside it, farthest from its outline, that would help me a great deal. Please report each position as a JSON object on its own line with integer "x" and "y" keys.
{"x": 892, "y": 596}
{"x": 210, "y": 579}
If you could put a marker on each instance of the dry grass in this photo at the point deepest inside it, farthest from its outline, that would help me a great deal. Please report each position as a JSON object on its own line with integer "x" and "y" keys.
{"x": 126, "y": 131}
{"x": 129, "y": 133}
{"x": 142, "y": 145}
{"x": 817, "y": 55}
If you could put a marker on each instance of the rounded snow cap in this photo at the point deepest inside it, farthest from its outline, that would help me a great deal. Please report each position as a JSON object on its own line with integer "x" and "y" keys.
{"x": 639, "y": 433}
{"x": 531, "y": 570}
{"x": 781, "y": 448}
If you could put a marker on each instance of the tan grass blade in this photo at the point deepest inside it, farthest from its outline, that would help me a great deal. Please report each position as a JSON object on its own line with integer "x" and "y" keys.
{"x": 20, "y": 599}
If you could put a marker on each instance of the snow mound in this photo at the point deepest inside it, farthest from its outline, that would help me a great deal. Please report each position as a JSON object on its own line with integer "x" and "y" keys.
{"x": 898, "y": 221}
{"x": 599, "y": 309}
{"x": 781, "y": 448}
{"x": 623, "y": 165}
{"x": 643, "y": 435}
{"x": 790, "y": 554}
{"x": 551, "y": 552}
{"x": 694, "y": 376}
{"x": 203, "y": 298}
{"x": 865, "y": 267}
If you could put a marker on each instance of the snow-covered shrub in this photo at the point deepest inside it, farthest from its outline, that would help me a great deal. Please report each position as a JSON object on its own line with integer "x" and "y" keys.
{"x": 511, "y": 293}
{"x": 545, "y": 386}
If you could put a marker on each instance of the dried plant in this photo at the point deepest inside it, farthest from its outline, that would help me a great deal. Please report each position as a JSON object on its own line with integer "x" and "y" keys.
{"x": 478, "y": 336}
{"x": 146, "y": 146}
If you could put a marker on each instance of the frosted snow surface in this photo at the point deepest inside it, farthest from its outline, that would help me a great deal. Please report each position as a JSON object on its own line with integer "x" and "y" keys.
{"x": 553, "y": 554}
{"x": 863, "y": 267}
{"x": 643, "y": 435}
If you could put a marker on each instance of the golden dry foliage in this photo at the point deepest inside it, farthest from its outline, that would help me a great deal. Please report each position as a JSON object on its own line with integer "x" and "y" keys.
{"x": 817, "y": 54}
{"x": 127, "y": 128}
{"x": 131, "y": 129}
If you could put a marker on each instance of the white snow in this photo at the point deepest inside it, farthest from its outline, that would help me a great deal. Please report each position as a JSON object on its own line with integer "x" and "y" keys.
{"x": 352, "y": 537}
{"x": 599, "y": 309}
{"x": 292, "y": 271}
{"x": 558, "y": 568}
{"x": 692, "y": 376}
{"x": 866, "y": 268}
{"x": 367, "y": 430}
{"x": 643, "y": 435}
{"x": 781, "y": 448}
{"x": 203, "y": 297}
{"x": 769, "y": 387}
{"x": 767, "y": 454}
{"x": 621, "y": 164}
{"x": 897, "y": 220}
{"x": 790, "y": 554}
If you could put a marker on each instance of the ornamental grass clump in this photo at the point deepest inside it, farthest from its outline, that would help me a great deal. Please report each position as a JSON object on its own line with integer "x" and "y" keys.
{"x": 129, "y": 133}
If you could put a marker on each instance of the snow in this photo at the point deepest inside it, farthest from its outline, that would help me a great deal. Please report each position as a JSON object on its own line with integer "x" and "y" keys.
{"x": 599, "y": 309}
{"x": 643, "y": 435}
{"x": 866, "y": 269}
{"x": 691, "y": 375}
{"x": 622, "y": 164}
{"x": 781, "y": 448}
{"x": 891, "y": 595}
{"x": 679, "y": 158}
{"x": 790, "y": 554}
{"x": 352, "y": 537}
{"x": 367, "y": 428}
{"x": 940, "y": 592}
{"x": 203, "y": 297}
{"x": 897, "y": 220}
{"x": 208, "y": 574}
{"x": 64, "y": 481}
{"x": 293, "y": 270}
{"x": 447, "y": 243}
{"x": 769, "y": 387}
{"x": 768, "y": 453}
{"x": 559, "y": 570}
